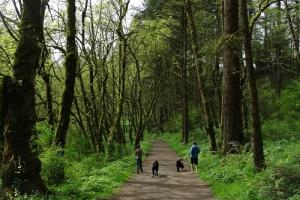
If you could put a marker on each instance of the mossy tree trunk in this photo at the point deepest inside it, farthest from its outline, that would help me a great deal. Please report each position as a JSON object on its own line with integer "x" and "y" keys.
{"x": 20, "y": 168}
{"x": 47, "y": 80}
{"x": 259, "y": 159}
{"x": 201, "y": 82}
{"x": 70, "y": 65}
{"x": 45, "y": 73}
{"x": 87, "y": 115}
{"x": 231, "y": 93}
{"x": 116, "y": 132}
{"x": 185, "y": 109}
{"x": 3, "y": 110}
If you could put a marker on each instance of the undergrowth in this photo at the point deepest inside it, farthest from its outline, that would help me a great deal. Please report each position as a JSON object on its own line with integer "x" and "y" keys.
{"x": 87, "y": 175}
{"x": 233, "y": 176}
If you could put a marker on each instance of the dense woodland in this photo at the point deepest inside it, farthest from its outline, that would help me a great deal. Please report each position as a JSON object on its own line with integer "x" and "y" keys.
{"x": 82, "y": 84}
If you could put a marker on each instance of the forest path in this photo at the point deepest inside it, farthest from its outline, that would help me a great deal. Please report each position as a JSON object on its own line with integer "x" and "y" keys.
{"x": 169, "y": 185}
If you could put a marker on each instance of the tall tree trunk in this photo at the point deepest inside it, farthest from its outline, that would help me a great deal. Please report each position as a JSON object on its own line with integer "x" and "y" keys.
{"x": 201, "y": 82}
{"x": 42, "y": 69}
{"x": 259, "y": 159}
{"x": 231, "y": 93}
{"x": 95, "y": 116}
{"x": 70, "y": 65}
{"x": 185, "y": 114}
{"x": 3, "y": 109}
{"x": 93, "y": 121}
{"x": 276, "y": 62}
{"x": 20, "y": 165}
{"x": 46, "y": 78}
{"x": 115, "y": 132}
{"x": 80, "y": 120}
{"x": 294, "y": 32}
{"x": 216, "y": 72}
{"x": 87, "y": 109}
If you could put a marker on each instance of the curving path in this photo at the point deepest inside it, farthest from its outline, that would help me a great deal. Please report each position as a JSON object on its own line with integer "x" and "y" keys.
{"x": 169, "y": 185}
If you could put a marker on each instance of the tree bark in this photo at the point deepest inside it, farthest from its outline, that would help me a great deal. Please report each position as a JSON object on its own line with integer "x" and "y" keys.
{"x": 87, "y": 109}
{"x": 185, "y": 110}
{"x": 201, "y": 82}
{"x": 20, "y": 165}
{"x": 231, "y": 92}
{"x": 46, "y": 78}
{"x": 3, "y": 110}
{"x": 70, "y": 65}
{"x": 259, "y": 159}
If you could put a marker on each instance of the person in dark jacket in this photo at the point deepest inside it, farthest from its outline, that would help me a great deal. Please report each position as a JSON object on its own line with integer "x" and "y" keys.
{"x": 138, "y": 157}
{"x": 194, "y": 152}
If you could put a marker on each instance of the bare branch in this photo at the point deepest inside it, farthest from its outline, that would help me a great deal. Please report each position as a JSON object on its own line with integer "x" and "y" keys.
{"x": 8, "y": 28}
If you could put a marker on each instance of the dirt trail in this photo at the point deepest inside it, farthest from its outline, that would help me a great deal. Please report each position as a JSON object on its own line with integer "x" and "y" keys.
{"x": 169, "y": 185}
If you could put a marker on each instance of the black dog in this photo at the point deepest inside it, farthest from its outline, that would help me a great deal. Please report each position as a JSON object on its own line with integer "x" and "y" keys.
{"x": 179, "y": 165}
{"x": 155, "y": 167}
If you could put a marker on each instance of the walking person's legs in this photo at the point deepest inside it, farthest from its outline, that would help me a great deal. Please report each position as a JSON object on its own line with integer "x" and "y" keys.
{"x": 137, "y": 165}
{"x": 196, "y": 165}
{"x": 140, "y": 164}
{"x": 192, "y": 165}
{"x": 152, "y": 171}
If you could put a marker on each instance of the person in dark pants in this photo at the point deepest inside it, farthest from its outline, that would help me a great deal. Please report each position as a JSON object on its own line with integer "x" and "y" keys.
{"x": 194, "y": 151}
{"x": 179, "y": 164}
{"x": 138, "y": 156}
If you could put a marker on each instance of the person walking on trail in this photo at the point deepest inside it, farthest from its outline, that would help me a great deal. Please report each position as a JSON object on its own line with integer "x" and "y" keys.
{"x": 138, "y": 157}
{"x": 194, "y": 152}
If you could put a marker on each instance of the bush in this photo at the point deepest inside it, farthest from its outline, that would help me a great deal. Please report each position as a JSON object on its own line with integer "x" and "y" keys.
{"x": 52, "y": 166}
{"x": 280, "y": 129}
{"x": 77, "y": 145}
{"x": 282, "y": 183}
{"x": 43, "y": 138}
{"x": 174, "y": 124}
{"x": 195, "y": 118}
{"x": 281, "y": 114}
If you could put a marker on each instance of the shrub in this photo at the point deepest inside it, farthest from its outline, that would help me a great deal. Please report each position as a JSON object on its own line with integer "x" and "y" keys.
{"x": 174, "y": 124}
{"x": 77, "y": 145}
{"x": 282, "y": 183}
{"x": 52, "y": 166}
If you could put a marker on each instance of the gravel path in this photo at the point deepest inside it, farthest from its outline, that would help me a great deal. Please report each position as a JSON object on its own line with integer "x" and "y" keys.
{"x": 169, "y": 185}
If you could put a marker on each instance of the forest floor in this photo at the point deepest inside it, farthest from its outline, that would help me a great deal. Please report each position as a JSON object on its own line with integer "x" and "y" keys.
{"x": 169, "y": 184}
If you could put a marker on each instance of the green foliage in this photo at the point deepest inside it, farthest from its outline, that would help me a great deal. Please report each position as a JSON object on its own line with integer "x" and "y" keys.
{"x": 45, "y": 135}
{"x": 281, "y": 114}
{"x": 53, "y": 166}
{"x": 174, "y": 124}
{"x": 289, "y": 102}
{"x": 282, "y": 183}
{"x": 78, "y": 145}
{"x": 195, "y": 119}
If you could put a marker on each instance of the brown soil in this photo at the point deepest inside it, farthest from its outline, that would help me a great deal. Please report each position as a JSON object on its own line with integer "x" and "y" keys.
{"x": 169, "y": 184}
